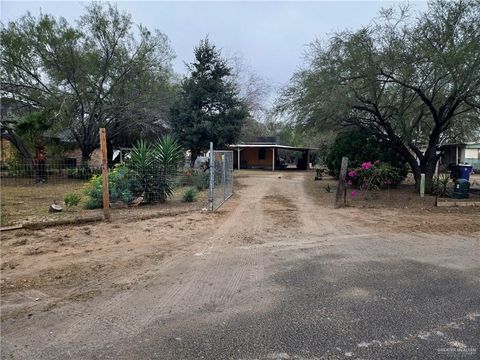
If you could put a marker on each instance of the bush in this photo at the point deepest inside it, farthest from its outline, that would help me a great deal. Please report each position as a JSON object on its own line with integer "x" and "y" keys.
{"x": 121, "y": 188}
{"x": 201, "y": 179}
{"x": 190, "y": 195}
{"x": 373, "y": 176}
{"x": 150, "y": 172}
{"x": 71, "y": 200}
{"x": 360, "y": 147}
{"x": 441, "y": 185}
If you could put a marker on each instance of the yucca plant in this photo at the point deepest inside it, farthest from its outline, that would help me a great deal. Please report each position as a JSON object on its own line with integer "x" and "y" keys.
{"x": 155, "y": 168}
{"x": 168, "y": 156}
{"x": 141, "y": 165}
{"x": 441, "y": 185}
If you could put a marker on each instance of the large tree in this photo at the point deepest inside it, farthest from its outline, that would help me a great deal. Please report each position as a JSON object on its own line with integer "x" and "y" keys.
{"x": 209, "y": 107}
{"x": 99, "y": 73}
{"x": 413, "y": 83}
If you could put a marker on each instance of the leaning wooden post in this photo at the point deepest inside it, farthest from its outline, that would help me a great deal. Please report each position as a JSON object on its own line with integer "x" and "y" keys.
{"x": 340, "y": 198}
{"x": 106, "y": 197}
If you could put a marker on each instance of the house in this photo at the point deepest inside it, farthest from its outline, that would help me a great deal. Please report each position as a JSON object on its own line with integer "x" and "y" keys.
{"x": 266, "y": 153}
{"x": 460, "y": 153}
{"x": 472, "y": 154}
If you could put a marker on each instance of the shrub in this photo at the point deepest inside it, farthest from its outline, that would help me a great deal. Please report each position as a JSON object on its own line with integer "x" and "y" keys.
{"x": 150, "y": 172}
{"x": 359, "y": 147}
{"x": 201, "y": 179}
{"x": 71, "y": 200}
{"x": 190, "y": 195}
{"x": 441, "y": 185}
{"x": 372, "y": 176}
{"x": 121, "y": 188}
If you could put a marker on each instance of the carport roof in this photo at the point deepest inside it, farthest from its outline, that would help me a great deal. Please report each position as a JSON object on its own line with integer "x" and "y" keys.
{"x": 276, "y": 146}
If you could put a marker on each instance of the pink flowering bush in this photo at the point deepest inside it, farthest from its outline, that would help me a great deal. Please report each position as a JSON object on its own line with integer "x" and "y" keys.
{"x": 367, "y": 165}
{"x": 372, "y": 176}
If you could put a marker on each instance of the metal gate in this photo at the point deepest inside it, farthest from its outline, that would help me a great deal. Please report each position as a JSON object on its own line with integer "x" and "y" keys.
{"x": 221, "y": 177}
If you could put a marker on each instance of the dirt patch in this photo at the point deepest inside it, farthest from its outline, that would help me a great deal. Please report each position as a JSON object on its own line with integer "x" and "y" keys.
{"x": 400, "y": 210}
{"x": 281, "y": 210}
{"x": 82, "y": 260}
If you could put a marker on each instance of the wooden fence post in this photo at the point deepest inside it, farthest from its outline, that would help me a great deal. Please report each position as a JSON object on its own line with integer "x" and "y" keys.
{"x": 106, "y": 196}
{"x": 340, "y": 198}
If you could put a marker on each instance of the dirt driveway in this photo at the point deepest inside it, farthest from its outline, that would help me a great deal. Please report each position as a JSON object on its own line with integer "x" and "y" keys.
{"x": 272, "y": 275}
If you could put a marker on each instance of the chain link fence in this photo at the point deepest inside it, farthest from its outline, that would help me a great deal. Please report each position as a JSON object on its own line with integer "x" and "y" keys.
{"x": 33, "y": 191}
{"x": 221, "y": 177}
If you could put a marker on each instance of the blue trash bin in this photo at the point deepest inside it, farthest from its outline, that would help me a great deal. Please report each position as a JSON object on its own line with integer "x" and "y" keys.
{"x": 464, "y": 171}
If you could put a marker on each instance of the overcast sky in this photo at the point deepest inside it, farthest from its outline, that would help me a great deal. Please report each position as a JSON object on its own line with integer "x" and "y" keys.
{"x": 270, "y": 37}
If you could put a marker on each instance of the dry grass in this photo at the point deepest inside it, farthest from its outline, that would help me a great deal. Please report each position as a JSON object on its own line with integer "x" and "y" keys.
{"x": 23, "y": 202}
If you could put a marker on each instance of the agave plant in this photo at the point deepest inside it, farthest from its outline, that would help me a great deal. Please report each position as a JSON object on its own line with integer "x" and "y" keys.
{"x": 154, "y": 168}
{"x": 141, "y": 164}
{"x": 168, "y": 157}
{"x": 441, "y": 185}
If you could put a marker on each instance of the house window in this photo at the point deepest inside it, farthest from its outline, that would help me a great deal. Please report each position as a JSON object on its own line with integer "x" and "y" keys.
{"x": 261, "y": 154}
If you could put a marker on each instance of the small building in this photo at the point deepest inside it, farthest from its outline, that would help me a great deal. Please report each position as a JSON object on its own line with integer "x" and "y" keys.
{"x": 459, "y": 153}
{"x": 265, "y": 153}
{"x": 472, "y": 154}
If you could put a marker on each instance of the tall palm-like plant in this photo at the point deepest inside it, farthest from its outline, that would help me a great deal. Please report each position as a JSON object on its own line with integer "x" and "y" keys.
{"x": 169, "y": 156}
{"x": 154, "y": 168}
{"x": 141, "y": 164}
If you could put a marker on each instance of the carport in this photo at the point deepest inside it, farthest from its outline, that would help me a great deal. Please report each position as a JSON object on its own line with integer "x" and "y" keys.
{"x": 265, "y": 156}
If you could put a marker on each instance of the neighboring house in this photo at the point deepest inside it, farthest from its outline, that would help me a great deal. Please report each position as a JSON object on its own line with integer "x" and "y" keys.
{"x": 264, "y": 153}
{"x": 74, "y": 158}
{"x": 7, "y": 151}
{"x": 460, "y": 153}
{"x": 452, "y": 154}
{"x": 472, "y": 154}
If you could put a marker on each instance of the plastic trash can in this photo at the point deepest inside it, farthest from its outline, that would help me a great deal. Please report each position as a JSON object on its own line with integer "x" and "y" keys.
{"x": 464, "y": 171}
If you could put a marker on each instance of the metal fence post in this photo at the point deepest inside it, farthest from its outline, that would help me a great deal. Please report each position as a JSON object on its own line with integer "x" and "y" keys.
{"x": 212, "y": 176}
{"x": 224, "y": 182}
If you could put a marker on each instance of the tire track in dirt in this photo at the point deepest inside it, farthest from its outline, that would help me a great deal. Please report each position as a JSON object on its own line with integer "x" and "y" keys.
{"x": 186, "y": 293}
{"x": 180, "y": 284}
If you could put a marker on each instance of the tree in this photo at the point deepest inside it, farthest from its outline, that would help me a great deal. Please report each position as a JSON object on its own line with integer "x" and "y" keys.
{"x": 209, "y": 107}
{"x": 99, "y": 73}
{"x": 412, "y": 84}
{"x": 361, "y": 147}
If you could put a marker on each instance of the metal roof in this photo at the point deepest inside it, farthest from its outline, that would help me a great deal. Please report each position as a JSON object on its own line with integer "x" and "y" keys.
{"x": 276, "y": 146}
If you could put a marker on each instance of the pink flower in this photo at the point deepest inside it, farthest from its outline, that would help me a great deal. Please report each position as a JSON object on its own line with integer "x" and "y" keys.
{"x": 349, "y": 182}
{"x": 352, "y": 173}
{"x": 366, "y": 165}
{"x": 353, "y": 194}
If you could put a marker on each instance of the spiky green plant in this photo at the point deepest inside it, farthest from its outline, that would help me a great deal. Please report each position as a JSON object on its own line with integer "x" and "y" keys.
{"x": 441, "y": 185}
{"x": 190, "y": 195}
{"x": 155, "y": 168}
{"x": 169, "y": 156}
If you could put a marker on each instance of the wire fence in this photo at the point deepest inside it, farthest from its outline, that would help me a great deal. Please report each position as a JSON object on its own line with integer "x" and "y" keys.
{"x": 33, "y": 191}
{"x": 222, "y": 175}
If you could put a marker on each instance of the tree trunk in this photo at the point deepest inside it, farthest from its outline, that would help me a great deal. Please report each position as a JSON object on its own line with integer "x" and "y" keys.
{"x": 86, "y": 155}
{"x": 193, "y": 157}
